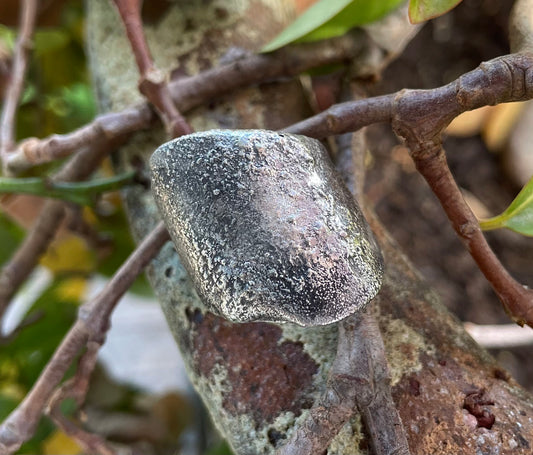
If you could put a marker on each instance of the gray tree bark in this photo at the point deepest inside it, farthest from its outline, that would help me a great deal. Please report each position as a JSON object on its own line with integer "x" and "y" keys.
{"x": 259, "y": 380}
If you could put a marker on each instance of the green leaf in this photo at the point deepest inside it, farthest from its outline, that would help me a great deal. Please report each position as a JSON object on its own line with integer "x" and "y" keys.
{"x": 221, "y": 448}
{"x": 329, "y": 18}
{"x": 518, "y": 216}
{"x": 423, "y": 10}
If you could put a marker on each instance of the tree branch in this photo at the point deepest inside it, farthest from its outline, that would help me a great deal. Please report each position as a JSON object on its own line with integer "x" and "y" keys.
{"x": 92, "y": 324}
{"x": 76, "y": 388}
{"x": 358, "y": 379}
{"x": 188, "y": 93}
{"x": 419, "y": 117}
{"x": 516, "y": 299}
{"x": 153, "y": 83}
{"x": 21, "y": 264}
{"x": 14, "y": 88}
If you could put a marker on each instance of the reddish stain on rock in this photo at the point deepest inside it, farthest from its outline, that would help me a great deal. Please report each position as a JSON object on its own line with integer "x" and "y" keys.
{"x": 266, "y": 377}
{"x": 476, "y": 404}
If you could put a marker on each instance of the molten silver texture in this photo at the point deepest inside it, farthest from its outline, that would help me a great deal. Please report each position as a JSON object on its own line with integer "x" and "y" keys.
{"x": 265, "y": 227}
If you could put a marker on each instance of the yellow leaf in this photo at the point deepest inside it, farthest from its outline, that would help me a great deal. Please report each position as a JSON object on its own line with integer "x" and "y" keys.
{"x": 72, "y": 289}
{"x": 69, "y": 254}
{"x": 59, "y": 442}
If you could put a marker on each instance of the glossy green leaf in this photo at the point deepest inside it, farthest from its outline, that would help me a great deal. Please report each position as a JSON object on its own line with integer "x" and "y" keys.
{"x": 329, "y": 18}
{"x": 518, "y": 216}
{"x": 423, "y": 10}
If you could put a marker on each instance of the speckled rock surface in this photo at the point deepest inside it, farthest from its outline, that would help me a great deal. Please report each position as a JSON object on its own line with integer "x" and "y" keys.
{"x": 265, "y": 227}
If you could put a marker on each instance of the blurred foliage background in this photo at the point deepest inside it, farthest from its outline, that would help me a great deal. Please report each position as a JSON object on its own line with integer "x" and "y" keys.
{"x": 57, "y": 98}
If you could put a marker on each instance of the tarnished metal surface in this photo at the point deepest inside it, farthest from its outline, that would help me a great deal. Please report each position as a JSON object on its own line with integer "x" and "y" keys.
{"x": 264, "y": 226}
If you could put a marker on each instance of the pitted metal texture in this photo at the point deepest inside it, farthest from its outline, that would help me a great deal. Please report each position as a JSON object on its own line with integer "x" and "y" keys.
{"x": 265, "y": 227}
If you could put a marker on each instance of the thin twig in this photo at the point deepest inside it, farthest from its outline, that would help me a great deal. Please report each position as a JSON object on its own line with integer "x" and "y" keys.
{"x": 152, "y": 84}
{"x": 358, "y": 379}
{"x": 14, "y": 88}
{"x": 92, "y": 324}
{"x": 76, "y": 388}
{"x": 83, "y": 193}
{"x": 188, "y": 93}
{"x": 516, "y": 298}
{"x": 419, "y": 117}
{"x": 346, "y": 117}
{"x": 105, "y": 127}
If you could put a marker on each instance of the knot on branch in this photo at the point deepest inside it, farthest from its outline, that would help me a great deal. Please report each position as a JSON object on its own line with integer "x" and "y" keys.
{"x": 419, "y": 116}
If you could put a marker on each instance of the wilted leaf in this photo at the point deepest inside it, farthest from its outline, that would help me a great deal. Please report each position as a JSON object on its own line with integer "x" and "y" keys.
{"x": 518, "y": 216}
{"x": 423, "y": 10}
{"x": 329, "y": 18}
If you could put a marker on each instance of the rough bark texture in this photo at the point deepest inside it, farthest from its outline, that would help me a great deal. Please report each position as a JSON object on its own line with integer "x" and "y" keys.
{"x": 258, "y": 380}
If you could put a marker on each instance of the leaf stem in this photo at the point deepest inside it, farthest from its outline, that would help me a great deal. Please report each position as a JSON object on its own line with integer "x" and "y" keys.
{"x": 82, "y": 193}
{"x": 490, "y": 224}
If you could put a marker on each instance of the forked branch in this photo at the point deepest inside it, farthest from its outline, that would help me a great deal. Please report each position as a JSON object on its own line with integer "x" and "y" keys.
{"x": 153, "y": 84}
{"x": 189, "y": 93}
{"x": 419, "y": 118}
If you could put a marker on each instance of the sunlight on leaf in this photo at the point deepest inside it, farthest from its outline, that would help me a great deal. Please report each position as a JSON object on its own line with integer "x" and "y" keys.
{"x": 329, "y": 18}
{"x": 518, "y": 216}
{"x": 11, "y": 390}
{"x": 423, "y": 10}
